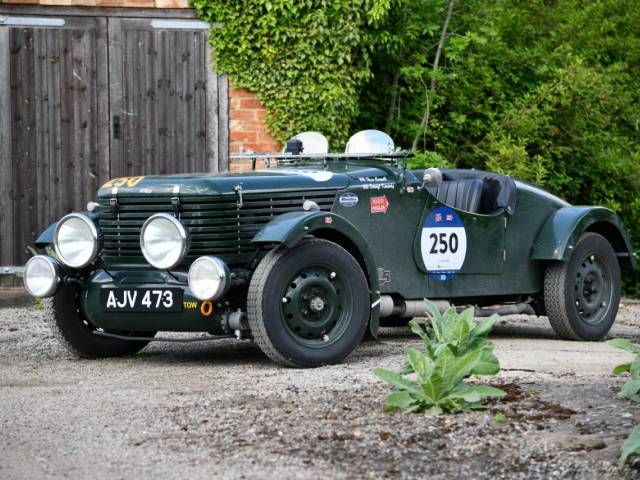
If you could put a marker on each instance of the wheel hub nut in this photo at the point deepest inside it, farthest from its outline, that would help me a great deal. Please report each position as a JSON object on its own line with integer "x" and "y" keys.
{"x": 316, "y": 304}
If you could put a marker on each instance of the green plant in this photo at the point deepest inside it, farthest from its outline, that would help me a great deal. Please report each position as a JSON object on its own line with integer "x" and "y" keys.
{"x": 459, "y": 333}
{"x": 631, "y": 446}
{"x": 433, "y": 381}
{"x": 631, "y": 388}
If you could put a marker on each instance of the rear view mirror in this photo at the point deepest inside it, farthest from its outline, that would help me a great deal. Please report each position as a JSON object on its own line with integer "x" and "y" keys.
{"x": 432, "y": 178}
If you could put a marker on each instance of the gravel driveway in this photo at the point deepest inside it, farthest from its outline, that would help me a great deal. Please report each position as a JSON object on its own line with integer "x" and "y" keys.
{"x": 222, "y": 410}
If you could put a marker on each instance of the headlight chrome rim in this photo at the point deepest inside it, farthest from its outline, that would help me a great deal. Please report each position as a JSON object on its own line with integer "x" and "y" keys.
{"x": 221, "y": 271}
{"x": 94, "y": 236}
{"x": 54, "y": 268}
{"x": 183, "y": 234}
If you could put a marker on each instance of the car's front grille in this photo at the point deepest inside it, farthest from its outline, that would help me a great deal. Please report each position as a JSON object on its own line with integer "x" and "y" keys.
{"x": 217, "y": 225}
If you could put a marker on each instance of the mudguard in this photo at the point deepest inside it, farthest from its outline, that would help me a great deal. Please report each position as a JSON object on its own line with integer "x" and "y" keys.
{"x": 289, "y": 228}
{"x": 560, "y": 233}
{"x": 46, "y": 237}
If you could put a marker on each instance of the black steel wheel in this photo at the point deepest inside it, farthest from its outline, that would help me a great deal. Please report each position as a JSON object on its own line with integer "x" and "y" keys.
{"x": 76, "y": 333}
{"x": 581, "y": 296}
{"x": 309, "y": 305}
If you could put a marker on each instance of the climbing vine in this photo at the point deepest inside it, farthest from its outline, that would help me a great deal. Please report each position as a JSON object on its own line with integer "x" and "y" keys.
{"x": 306, "y": 60}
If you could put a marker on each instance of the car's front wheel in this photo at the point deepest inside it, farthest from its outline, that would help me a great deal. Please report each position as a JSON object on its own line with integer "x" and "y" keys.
{"x": 308, "y": 305}
{"x": 76, "y": 333}
{"x": 581, "y": 296}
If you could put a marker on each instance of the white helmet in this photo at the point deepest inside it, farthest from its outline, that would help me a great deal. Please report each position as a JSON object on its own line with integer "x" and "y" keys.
{"x": 312, "y": 142}
{"x": 370, "y": 141}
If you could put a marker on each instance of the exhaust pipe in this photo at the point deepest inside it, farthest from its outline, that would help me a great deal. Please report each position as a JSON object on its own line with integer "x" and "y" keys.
{"x": 416, "y": 308}
{"x": 407, "y": 308}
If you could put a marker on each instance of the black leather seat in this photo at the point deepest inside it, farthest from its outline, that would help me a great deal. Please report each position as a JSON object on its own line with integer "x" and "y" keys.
{"x": 460, "y": 194}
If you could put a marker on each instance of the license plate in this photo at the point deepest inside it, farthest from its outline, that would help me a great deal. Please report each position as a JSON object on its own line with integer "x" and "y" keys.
{"x": 141, "y": 299}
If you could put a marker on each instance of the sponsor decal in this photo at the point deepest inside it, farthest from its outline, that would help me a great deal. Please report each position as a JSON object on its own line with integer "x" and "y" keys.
{"x": 378, "y": 186}
{"x": 379, "y": 204}
{"x": 123, "y": 182}
{"x": 443, "y": 243}
{"x": 328, "y": 220}
{"x": 348, "y": 199}
{"x": 384, "y": 276}
{"x": 372, "y": 179}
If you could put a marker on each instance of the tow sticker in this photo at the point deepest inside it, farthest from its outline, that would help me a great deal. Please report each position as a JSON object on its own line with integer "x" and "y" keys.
{"x": 443, "y": 243}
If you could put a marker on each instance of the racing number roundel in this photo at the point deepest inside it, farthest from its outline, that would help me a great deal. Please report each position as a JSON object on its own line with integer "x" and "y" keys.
{"x": 443, "y": 243}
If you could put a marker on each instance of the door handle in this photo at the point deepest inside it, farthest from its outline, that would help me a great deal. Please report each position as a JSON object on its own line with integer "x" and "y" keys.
{"x": 116, "y": 127}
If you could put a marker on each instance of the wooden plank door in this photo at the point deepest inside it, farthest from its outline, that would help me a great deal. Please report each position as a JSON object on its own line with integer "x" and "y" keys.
{"x": 169, "y": 111}
{"x": 55, "y": 147}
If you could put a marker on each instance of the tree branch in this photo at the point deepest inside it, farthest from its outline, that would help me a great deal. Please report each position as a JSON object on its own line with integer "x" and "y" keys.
{"x": 432, "y": 87}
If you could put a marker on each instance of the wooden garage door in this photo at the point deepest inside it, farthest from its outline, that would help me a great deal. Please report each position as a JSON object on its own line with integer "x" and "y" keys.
{"x": 165, "y": 98}
{"x": 84, "y": 99}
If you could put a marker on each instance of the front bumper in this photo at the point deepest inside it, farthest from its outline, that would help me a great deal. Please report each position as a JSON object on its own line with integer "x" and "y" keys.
{"x": 196, "y": 315}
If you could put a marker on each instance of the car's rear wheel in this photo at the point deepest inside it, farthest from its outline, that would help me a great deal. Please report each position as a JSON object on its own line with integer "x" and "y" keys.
{"x": 308, "y": 305}
{"x": 581, "y": 296}
{"x": 76, "y": 333}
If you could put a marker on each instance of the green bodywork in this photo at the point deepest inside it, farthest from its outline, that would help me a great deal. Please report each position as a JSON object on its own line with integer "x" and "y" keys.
{"x": 506, "y": 254}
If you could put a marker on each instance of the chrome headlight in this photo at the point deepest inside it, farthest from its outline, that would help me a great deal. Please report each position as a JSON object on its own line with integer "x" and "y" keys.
{"x": 164, "y": 241}
{"x": 208, "y": 278}
{"x": 76, "y": 240}
{"x": 41, "y": 276}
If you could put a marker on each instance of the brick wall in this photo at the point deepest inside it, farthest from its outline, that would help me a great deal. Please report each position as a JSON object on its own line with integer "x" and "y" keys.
{"x": 247, "y": 131}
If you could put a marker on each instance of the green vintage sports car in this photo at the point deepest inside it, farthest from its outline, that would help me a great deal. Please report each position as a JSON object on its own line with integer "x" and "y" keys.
{"x": 307, "y": 254}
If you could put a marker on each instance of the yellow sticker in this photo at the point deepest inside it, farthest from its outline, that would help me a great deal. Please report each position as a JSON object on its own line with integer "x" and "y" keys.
{"x": 190, "y": 305}
{"x": 123, "y": 182}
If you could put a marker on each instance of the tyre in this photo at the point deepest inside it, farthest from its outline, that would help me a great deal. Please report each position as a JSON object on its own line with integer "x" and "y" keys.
{"x": 308, "y": 305}
{"x": 75, "y": 333}
{"x": 581, "y": 296}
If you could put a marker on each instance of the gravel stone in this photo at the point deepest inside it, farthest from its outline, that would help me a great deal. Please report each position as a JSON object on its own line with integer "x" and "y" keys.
{"x": 223, "y": 410}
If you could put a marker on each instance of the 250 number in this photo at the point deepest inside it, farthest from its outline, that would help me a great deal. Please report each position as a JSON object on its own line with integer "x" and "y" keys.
{"x": 443, "y": 243}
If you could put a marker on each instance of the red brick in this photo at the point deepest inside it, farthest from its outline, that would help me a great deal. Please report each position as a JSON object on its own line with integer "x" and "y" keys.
{"x": 243, "y": 136}
{"x": 252, "y": 125}
{"x": 251, "y": 103}
{"x": 85, "y": 3}
{"x": 240, "y": 93}
{"x": 172, "y": 4}
{"x": 243, "y": 115}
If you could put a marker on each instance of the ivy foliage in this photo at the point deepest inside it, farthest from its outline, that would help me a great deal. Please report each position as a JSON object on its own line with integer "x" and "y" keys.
{"x": 306, "y": 60}
{"x": 545, "y": 90}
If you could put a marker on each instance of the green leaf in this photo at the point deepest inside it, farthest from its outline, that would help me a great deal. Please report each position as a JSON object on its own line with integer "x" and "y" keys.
{"x": 476, "y": 393}
{"x": 622, "y": 368}
{"x": 630, "y": 390}
{"x": 397, "y": 380}
{"x": 488, "y": 363}
{"x": 483, "y": 328}
{"x": 434, "y": 411}
{"x": 631, "y": 446}
{"x": 399, "y": 400}
{"x": 625, "y": 344}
